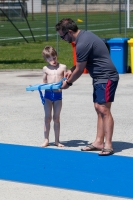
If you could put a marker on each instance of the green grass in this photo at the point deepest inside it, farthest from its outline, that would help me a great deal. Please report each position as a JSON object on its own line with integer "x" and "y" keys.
{"x": 104, "y": 24}
{"x": 29, "y": 55}
{"x": 17, "y": 54}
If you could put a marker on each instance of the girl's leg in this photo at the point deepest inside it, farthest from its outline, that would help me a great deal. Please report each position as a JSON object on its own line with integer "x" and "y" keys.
{"x": 57, "y": 105}
{"x": 47, "y": 120}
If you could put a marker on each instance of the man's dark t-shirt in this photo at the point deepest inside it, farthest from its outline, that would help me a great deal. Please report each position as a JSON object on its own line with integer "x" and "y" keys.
{"x": 92, "y": 49}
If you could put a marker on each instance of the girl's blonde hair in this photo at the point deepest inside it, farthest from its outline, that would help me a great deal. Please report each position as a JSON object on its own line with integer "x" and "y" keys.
{"x": 49, "y": 51}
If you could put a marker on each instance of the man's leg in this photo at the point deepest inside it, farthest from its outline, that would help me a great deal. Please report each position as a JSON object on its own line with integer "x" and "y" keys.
{"x": 99, "y": 141}
{"x": 103, "y": 95}
{"x": 105, "y": 126}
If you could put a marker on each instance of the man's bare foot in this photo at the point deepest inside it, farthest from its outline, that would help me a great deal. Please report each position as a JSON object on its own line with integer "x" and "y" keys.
{"x": 59, "y": 145}
{"x": 45, "y": 144}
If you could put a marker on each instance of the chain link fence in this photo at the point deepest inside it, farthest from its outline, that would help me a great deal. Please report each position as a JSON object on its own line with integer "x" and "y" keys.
{"x": 34, "y": 20}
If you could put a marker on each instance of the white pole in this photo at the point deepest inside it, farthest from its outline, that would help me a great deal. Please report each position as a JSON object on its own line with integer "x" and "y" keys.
{"x": 57, "y": 18}
{"x": 128, "y": 14}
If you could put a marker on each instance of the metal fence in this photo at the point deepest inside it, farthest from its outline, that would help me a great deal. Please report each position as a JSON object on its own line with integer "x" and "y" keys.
{"x": 34, "y": 20}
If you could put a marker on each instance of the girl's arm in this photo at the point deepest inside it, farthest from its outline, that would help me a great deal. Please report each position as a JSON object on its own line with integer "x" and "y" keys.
{"x": 44, "y": 74}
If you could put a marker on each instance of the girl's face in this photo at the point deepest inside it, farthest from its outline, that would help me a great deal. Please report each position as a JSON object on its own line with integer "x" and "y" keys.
{"x": 52, "y": 60}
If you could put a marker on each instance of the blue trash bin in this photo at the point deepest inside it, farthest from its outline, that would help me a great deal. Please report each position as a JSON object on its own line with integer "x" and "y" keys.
{"x": 119, "y": 53}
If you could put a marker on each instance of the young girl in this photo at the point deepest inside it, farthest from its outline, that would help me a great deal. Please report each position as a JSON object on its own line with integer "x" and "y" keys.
{"x": 52, "y": 73}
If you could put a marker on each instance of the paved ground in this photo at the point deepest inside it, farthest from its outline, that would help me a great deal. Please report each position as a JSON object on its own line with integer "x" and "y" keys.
{"x": 21, "y": 122}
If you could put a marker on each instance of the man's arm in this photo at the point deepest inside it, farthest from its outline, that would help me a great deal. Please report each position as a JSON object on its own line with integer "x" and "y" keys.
{"x": 79, "y": 68}
{"x": 73, "y": 68}
{"x": 77, "y": 72}
{"x": 69, "y": 72}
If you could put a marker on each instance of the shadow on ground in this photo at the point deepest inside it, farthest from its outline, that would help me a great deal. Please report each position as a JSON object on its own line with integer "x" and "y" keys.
{"x": 73, "y": 143}
{"x": 119, "y": 146}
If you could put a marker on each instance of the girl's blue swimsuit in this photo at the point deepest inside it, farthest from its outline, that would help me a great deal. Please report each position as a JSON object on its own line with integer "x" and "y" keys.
{"x": 53, "y": 96}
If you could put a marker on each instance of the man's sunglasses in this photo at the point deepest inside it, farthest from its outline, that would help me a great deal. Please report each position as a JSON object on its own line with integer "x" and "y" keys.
{"x": 63, "y": 36}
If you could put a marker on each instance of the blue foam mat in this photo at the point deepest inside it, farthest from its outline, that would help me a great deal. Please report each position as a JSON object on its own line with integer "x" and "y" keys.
{"x": 75, "y": 170}
{"x": 43, "y": 87}
{"x": 46, "y": 86}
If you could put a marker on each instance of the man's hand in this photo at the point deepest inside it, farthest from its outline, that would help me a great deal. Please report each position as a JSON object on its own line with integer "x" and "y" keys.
{"x": 64, "y": 85}
{"x": 68, "y": 74}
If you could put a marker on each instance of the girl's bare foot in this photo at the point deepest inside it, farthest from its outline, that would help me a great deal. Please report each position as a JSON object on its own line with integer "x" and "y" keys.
{"x": 45, "y": 144}
{"x": 59, "y": 145}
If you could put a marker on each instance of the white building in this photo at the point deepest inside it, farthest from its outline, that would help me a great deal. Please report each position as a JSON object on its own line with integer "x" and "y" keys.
{"x": 34, "y": 6}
